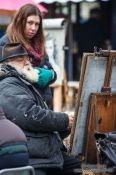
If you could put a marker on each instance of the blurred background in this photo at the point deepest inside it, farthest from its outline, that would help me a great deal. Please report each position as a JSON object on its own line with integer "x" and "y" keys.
{"x": 89, "y": 23}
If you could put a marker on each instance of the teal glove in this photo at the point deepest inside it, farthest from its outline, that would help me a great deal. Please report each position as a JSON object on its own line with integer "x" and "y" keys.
{"x": 45, "y": 76}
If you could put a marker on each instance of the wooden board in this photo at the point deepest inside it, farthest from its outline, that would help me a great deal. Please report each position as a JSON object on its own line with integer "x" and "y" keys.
{"x": 101, "y": 117}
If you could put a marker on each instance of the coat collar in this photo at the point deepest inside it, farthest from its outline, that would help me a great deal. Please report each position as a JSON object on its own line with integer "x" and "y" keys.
{"x": 7, "y": 70}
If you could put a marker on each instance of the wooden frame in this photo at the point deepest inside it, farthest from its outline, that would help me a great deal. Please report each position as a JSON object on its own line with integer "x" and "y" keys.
{"x": 95, "y": 73}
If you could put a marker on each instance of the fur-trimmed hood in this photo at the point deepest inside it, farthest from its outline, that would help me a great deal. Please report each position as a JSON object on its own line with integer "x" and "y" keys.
{"x": 9, "y": 71}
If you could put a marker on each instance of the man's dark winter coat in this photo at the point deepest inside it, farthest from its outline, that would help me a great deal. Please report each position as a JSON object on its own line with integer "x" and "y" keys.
{"x": 23, "y": 104}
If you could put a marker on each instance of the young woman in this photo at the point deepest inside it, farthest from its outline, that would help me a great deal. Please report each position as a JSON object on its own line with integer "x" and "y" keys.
{"x": 26, "y": 28}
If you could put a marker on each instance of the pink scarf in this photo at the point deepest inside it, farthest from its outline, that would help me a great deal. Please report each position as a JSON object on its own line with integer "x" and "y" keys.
{"x": 36, "y": 55}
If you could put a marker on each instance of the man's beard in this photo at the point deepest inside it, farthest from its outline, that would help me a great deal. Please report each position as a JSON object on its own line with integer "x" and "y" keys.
{"x": 28, "y": 73}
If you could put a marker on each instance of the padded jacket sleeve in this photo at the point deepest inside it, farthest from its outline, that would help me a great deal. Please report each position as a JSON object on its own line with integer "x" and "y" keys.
{"x": 21, "y": 106}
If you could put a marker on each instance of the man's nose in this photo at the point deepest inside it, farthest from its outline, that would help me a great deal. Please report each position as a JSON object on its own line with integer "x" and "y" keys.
{"x": 26, "y": 61}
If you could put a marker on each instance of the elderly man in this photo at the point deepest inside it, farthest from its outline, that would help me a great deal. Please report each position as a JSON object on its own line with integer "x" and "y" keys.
{"x": 24, "y": 105}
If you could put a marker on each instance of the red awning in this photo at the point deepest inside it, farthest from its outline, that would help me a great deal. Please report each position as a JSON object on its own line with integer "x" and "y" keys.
{"x": 16, "y": 4}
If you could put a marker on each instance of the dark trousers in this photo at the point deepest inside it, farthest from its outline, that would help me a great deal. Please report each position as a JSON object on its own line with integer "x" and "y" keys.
{"x": 71, "y": 164}
{"x": 14, "y": 160}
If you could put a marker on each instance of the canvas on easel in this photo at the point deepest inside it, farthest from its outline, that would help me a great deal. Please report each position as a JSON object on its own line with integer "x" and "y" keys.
{"x": 97, "y": 81}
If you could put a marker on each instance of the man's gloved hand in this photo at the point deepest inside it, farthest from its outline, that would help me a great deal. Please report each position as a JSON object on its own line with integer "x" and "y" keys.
{"x": 45, "y": 76}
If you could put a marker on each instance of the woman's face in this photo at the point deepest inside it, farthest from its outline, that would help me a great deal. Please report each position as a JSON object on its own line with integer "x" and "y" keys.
{"x": 32, "y": 26}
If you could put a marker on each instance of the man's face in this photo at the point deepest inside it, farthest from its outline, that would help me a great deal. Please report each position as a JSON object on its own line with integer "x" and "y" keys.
{"x": 21, "y": 62}
{"x": 32, "y": 26}
{"x": 24, "y": 68}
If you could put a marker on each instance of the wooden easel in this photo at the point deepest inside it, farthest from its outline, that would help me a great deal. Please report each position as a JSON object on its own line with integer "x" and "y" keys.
{"x": 101, "y": 105}
{"x": 102, "y": 110}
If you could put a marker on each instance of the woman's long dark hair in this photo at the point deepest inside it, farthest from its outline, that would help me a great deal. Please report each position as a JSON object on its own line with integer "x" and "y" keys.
{"x": 15, "y": 30}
